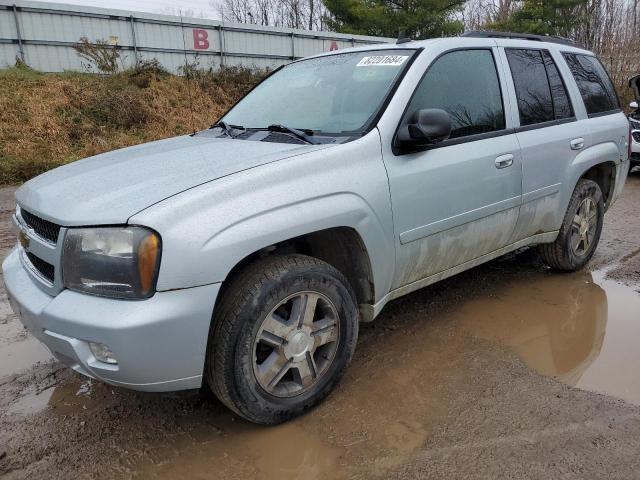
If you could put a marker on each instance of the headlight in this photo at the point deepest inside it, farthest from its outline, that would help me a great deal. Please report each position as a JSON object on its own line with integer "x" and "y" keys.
{"x": 119, "y": 262}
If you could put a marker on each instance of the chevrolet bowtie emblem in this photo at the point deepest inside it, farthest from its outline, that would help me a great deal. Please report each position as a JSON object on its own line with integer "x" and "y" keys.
{"x": 23, "y": 239}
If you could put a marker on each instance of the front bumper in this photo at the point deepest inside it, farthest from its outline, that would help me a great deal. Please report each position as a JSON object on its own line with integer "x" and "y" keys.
{"x": 160, "y": 343}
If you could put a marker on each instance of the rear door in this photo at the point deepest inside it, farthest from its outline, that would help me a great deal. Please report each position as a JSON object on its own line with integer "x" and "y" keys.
{"x": 550, "y": 136}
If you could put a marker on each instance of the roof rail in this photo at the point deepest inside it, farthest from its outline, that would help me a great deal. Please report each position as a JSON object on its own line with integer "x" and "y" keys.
{"x": 520, "y": 36}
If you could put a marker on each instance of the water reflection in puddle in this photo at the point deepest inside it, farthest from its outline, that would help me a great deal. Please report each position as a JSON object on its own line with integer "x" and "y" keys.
{"x": 18, "y": 356}
{"x": 579, "y": 328}
{"x": 615, "y": 370}
{"x": 72, "y": 397}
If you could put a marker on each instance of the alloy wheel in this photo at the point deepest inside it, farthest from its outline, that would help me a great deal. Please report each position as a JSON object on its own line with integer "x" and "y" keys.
{"x": 296, "y": 344}
{"x": 584, "y": 226}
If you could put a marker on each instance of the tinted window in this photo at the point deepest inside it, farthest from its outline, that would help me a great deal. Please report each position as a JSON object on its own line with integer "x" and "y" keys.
{"x": 465, "y": 84}
{"x": 593, "y": 82}
{"x": 532, "y": 86}
{"x": 561, "y": 104}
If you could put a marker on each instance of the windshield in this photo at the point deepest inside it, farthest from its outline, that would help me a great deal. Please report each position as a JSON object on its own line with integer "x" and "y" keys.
{"x": 334, "y": 94}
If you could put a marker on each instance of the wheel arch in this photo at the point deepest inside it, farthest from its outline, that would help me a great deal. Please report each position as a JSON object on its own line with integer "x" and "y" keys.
{"x": 597, "y": 163}
{"x": 604, "y": 174}
{"x": 341, "y": 229}
{"x": 341, "y": 247}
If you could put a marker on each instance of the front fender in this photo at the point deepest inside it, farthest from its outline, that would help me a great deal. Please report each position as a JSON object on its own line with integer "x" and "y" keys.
{"x": 209, "y": 229}
{"x": 341, "y": 209}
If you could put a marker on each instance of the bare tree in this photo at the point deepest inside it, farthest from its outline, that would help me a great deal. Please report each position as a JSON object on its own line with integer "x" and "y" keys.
{"x": 300, "y": 14}
{"x": 478, "y": 13}
{"x": 610, "y": 28}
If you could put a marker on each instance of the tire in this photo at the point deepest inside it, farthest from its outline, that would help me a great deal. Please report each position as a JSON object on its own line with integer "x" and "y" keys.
{"x": 265, "y": 324}
{"x": 564, "y": 254}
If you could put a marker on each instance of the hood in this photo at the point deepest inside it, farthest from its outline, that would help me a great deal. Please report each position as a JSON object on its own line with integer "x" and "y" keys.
{"x": 111, "y": 187}
{"x": 634, "y": 84}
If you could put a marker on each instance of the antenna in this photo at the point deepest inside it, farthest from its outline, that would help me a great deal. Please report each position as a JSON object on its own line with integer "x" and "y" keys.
{"x": 186, "y": 72}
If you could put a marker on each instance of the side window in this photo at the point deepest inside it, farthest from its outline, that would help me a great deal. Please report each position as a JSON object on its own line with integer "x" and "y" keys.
{"x": 593, "y": 82}
{"x": 465, "y": 84}
{"x": 561, "y": 103}
{"x": 532, "y": 86}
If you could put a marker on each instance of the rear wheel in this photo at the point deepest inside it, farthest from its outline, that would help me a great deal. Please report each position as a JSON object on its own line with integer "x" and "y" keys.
{"x": 580, "y": 230}
{"x": 284, "y": 333}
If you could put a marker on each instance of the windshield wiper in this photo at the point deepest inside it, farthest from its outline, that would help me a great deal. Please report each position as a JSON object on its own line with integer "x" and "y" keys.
{"x": 300, "y": 134}
{"x": 228, "y": 129}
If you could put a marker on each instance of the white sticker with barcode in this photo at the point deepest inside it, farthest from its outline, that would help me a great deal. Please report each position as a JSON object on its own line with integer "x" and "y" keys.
{"x": 382, "y": 61}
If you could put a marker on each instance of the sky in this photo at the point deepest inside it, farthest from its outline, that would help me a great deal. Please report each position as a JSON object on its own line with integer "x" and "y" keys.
{"x": 201, "y": 8}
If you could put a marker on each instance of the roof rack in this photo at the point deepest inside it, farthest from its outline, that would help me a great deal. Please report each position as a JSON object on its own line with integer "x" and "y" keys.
{"x": 520, "y": 36}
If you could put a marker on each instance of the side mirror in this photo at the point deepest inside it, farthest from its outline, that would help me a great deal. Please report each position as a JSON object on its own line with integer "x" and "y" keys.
{"x": 634, "y": 105}
{"x": 426, "y": 127}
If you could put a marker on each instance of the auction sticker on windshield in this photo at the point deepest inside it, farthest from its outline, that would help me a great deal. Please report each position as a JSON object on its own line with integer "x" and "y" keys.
{"x": 382, "y": 60}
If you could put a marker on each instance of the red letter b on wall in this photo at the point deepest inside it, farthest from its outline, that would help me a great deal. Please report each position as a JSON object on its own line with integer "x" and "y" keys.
{"x": 200, "y": 41}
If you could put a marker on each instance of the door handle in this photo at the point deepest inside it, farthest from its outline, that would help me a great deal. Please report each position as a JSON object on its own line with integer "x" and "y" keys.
{"x": 577, "y": 143}
{"x": 504, "y": 161}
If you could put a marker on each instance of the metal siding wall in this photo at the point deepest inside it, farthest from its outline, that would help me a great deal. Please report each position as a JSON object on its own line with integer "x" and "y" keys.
{"x": 8, "y": 54}
{"x": 50, "y": 30}
{"x": 7, "y": 24}
{"x": 159, "y": 36}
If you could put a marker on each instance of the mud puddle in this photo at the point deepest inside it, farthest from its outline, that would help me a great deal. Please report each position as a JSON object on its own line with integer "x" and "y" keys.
{"x": 69, "y": 398}
{"x": 410, "y": 366}
{"x": 379, "y": 416}
{"x": 19, "y": 351}
{"x": 580, "y": 329}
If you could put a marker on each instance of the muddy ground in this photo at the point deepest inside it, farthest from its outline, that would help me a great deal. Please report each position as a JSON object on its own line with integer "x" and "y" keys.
{"x": 506, "y": 371}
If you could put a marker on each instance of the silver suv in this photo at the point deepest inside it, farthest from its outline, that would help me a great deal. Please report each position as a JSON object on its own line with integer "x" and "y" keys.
{"x": 244, "y": 256}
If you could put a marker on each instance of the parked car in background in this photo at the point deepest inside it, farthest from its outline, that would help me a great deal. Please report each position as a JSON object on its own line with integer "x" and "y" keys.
{"x": 634, "y": 119}
{"x": 244, "y": 256}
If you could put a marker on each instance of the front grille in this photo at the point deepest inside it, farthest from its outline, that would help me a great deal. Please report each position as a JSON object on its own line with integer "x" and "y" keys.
{"x": 46, "y": 229}
{"x": 45, "y": 269}
{"x": 636, "y": 136}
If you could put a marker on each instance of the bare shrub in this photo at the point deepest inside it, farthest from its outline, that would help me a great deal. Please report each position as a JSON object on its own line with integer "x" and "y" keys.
{"x": 119, "y": 106}
{"x": 100, "y": 55}
{"x": 147, "y": 71}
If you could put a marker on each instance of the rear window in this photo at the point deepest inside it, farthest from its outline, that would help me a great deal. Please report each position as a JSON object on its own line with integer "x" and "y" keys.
{"x": 594, "y": 84}
{"x": 532, "y": 86}
{"x": 561, "y": 103}
{"x": 542, "y": 96}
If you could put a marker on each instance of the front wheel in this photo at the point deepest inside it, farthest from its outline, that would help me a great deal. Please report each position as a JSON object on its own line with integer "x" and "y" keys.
{"x": 580, "y": 230}
{"x": 284, "y": 332}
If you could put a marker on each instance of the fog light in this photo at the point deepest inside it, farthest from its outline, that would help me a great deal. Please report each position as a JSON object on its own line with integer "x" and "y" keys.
{"x": 103, "y": 353}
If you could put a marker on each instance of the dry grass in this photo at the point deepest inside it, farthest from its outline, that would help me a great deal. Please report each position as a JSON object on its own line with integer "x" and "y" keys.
{"x": 47, "y": 120}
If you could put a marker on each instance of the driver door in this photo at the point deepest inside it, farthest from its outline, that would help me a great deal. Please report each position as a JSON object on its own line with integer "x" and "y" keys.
{"x": 459, "y": 199}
